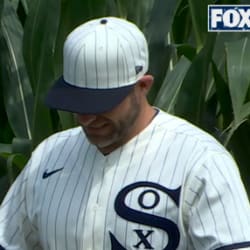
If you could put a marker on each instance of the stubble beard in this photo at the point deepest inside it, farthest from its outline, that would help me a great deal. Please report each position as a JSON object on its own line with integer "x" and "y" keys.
{"x": 119, "y": 131}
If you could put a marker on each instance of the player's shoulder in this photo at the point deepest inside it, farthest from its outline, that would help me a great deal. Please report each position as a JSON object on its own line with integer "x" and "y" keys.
{"x": 55, "y": 149}
{"x": 57, "y": 141}
{"x": 183, "y": 128}
{"x": 71, "y": 133}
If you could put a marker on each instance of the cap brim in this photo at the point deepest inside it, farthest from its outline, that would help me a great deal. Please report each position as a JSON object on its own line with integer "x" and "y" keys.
{"x": 66, "y": 97}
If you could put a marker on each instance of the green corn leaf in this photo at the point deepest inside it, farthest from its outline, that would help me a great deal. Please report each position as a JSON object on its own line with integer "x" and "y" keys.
{"x": 67, "y": 120}
{"x": 245, "y": 112}
{"x": 18, "y": 95}
{"x": 238, "y": 68}
{"x": 198, "y": 12}
{"x": 5, "y": 148}
{"x": 135, "y": 11}
{"x": 21, "y": 146}
{"x": 219, "y": 56}
{"x": 4, "y": 184}
{"x": 161, "y": 18}
{"x": 40, "y": 35}
{"x": 181, "y": 27}
{"x": 223, "y": 96}
{"x": 14, "y": 3}
{"x": 191, "y": 100}
{"x": 15, "y": 163}
{"x": 1, "y": 8}
{"x": 168, "y": 93}
{"x": 25, "y": 6}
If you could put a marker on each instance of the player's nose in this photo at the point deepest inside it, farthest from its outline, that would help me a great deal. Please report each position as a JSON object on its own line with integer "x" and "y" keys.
{"x": 85, "y": 120}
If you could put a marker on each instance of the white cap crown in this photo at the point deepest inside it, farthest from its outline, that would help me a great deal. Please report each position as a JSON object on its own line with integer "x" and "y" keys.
{"x": 105, "y": 53}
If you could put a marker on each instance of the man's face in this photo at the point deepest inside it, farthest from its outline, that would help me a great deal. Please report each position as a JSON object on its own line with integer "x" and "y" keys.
{"x": 111, "y": 129}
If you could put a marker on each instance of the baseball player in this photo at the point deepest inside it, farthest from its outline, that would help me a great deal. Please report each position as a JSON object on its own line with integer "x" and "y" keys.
{"x": 130, "y": 176}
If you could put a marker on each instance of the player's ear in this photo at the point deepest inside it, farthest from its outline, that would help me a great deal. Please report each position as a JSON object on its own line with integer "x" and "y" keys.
{"x": 145, "y": 83}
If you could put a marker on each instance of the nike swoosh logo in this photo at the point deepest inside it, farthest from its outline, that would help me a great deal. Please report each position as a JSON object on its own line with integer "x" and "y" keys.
{"x": 47, "y": 174}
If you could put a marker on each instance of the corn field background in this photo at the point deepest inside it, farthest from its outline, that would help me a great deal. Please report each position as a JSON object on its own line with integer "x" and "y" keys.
{"x": 201, "y": 76}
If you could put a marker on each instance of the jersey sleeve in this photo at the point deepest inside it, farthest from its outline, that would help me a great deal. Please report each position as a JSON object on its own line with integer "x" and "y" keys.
{"x": 216, "y": 206}
{"x": 16, "y": 230}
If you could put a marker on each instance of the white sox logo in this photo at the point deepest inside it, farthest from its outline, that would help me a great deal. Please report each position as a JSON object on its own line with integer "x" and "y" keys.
{"x": 154, "y": 221}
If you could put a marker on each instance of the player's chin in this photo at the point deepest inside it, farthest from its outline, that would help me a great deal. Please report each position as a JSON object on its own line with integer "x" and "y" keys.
{"x": 101, "y": 144}
{"x": 103, "y": 131}
{"x": 101, "y": 140}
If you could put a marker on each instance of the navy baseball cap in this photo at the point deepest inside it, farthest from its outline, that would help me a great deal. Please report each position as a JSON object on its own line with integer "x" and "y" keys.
{"x": 102, "y": 60}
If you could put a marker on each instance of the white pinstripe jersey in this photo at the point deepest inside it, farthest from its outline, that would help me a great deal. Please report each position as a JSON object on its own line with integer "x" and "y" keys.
{"x": 171, "y": 187}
